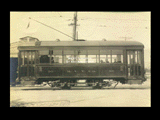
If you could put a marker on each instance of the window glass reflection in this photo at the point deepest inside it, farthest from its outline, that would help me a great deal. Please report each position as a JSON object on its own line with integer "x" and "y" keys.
{"x": 81, "y": 58}
{"x": 92, "y": 58}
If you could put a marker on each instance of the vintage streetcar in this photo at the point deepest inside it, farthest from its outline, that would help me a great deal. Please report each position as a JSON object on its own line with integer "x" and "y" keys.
{"x": 64, "y": 63}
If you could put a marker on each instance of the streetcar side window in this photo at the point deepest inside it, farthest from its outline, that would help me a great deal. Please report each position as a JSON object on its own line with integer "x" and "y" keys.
{"x": 52, "y": 59}
{"x": 81, "y": 56}
{"x": 44, "y": 56}
{"x": 105, "y": 56}
{"x": 29, "y": 58}
{"x": 22, "y": 58}
{"x": 93, "y": 56}
{"x": 117, "y": 56}
{"x": 111, "y": 56}
{"x": 50, "y": 56}
{"x": 56, "y": 56}
{"x": 33, "y": 57}
{"x": 25, "y": 57}
{"x": 44, "y": 59}
{"x": 102, "y": 58}
{"x": 69, "y": 56}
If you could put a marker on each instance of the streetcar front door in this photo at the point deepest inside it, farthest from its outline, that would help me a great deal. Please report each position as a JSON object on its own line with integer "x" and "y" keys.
{"x": 134, "y": 63}
{"x": 27, "y": 62}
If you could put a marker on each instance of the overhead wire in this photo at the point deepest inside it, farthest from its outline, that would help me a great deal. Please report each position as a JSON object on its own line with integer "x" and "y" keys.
{"x": 84, "y": 18}
{"x": 51, "y": 27}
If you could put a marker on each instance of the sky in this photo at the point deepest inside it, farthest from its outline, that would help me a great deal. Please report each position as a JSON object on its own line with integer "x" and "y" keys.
{"x": 92, "y": 26}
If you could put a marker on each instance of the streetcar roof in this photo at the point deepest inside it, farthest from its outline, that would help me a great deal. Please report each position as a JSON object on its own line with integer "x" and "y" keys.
{"x": 82, "y": 43}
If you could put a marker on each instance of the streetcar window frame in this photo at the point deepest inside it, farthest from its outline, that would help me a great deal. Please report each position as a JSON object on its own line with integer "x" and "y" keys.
{"x": 95, "y": 60}
{"x": 84, "y": 56}
{"x": 111, "y": 56}
{"x": 105, "y": 56}
{"x": 44, "y": 57}
{"x": 56, "y": 56}
{"x": 52, "y": 56}
{"x": 27, "y": 57}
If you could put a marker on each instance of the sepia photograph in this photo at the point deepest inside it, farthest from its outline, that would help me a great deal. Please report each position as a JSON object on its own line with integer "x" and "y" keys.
{"x": 80, "y": 59}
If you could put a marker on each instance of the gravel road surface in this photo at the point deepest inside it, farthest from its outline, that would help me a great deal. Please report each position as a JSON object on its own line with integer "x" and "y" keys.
{"x": 121, "y": 96}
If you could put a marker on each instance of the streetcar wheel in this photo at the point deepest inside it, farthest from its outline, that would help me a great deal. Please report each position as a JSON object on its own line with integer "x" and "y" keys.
{"x": 66, "y": 86}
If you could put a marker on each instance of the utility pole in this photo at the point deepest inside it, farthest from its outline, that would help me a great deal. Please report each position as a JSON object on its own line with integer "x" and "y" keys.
{"x": 74, "y": 27}
{"x": 75, "y": 33}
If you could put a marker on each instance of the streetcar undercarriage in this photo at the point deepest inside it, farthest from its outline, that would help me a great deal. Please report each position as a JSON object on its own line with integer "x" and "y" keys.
{"x": 93, "y": 83}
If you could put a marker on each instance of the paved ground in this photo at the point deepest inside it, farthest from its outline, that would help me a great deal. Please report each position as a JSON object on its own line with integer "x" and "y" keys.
{"x": 122, "y": 96}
